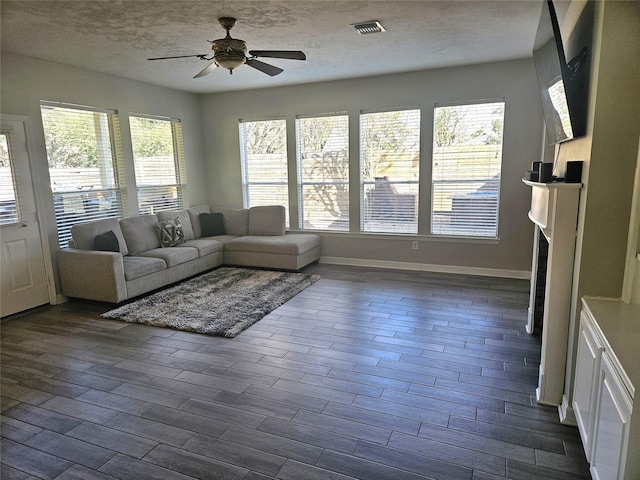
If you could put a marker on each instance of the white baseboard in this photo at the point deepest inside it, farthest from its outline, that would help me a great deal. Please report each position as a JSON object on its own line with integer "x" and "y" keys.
{"x": 566, "y": 413}
{"x": 426, "y": 267}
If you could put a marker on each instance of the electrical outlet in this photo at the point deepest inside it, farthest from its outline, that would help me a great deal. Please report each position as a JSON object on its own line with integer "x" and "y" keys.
{"x": 414, "y": 245}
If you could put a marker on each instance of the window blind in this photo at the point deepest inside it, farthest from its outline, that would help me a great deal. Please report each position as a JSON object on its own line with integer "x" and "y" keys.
{"x": 467, "y": 159}
{"x": 323, "y": 172}
{"x": 87, "y": 177}
{"x": 159, "y": 164}
{"x": 9, "y": 212}
{"x": 263, "y": 158}
{"x": 389, "y": 171}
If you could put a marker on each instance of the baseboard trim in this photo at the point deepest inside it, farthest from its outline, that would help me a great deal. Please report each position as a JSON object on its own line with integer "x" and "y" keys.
{"x": 426, "y": 267}
{"x": 566, "y": 413}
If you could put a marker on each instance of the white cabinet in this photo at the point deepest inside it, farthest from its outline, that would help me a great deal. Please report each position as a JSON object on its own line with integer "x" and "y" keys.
{"x": 607, "y": 371}
{"x": 586, "y": 378}
{"x": 611, "y": 424}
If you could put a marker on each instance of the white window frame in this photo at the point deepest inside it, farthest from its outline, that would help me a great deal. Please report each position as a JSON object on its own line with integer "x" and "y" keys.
{"x": 279, "y": 183}
{"x": 338, "y": 223}
{"x": 396, "y": 209}
{"x": 82, "y": 202}
{"x": 161, "y": 195}
{"x": 465, "y": 193}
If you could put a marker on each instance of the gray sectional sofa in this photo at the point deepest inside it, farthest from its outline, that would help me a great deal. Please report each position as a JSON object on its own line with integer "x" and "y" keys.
{"x": 132, "y": 261}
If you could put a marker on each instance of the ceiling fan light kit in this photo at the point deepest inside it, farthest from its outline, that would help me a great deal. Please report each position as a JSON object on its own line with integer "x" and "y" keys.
{"x": 230, "y": 60}
{"x": 231, "y": 53}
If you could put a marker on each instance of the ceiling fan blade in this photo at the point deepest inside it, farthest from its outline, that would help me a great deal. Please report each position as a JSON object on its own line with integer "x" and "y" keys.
{"x": 178, "y": 56}
{"x": 206, "y": 70}
{"x": 264, "y": 67}
{"x": 288, "y": 54}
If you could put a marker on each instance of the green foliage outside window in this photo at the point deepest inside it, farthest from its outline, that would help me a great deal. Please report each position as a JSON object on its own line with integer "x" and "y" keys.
{"x": 70, "y": 143}
{"x": 153, "y": 138}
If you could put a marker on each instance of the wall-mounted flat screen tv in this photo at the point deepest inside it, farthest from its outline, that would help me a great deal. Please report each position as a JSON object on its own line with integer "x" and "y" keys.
{"x": 563, "y": 87}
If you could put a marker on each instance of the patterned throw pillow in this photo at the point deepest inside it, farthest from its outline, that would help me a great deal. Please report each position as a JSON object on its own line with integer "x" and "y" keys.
{"x": 170, "y": 232}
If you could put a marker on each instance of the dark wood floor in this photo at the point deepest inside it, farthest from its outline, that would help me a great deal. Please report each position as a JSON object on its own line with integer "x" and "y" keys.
{"x": 368, "y": 374}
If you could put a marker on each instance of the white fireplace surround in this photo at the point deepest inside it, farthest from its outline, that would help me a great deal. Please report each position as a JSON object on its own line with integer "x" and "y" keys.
{"x": 554, "y": 210}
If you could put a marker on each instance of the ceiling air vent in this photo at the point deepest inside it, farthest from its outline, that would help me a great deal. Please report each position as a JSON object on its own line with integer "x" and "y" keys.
{"x": 364, "y": 28}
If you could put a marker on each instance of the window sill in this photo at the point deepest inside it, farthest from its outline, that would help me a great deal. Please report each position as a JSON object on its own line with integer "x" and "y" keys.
{"x": 402, "y": 237}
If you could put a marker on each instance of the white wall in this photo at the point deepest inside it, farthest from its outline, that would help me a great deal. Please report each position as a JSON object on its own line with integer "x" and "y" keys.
{"x": 610, "y": 154}
{"x": 612, "y": 151}
{"x": 26, "y": 81}
{"x": 515, "y": 81}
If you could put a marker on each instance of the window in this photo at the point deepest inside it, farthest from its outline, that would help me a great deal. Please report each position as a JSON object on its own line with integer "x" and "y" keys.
{"x": 467, "y": 158}
{"x": 263, "y": 156}
{"x": 323, "y": 171}
{"x": 389, "y": 171}
{"x": 158, "y": 159}
{"x": 86, "y": 179}
{"x": 9, "y": 212}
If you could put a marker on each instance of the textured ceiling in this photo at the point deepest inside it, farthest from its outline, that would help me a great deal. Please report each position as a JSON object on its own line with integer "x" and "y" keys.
{"x": 117, "y": 36}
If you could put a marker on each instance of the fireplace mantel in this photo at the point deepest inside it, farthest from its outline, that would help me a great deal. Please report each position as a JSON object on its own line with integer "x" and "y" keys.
{"x": 543, "y": 203}
{"x": 554, "y": 210}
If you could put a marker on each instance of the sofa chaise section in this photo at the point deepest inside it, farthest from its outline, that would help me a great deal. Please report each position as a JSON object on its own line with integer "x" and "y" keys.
{"x": 259, "y": 239}
{"x": 290, "y": 252}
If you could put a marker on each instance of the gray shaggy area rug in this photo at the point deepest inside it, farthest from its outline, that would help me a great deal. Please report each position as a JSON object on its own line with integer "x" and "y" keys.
{"x": 222, "y": 303}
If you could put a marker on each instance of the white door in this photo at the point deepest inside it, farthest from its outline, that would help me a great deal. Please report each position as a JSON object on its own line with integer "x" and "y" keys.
{"x": 22, "y": 263}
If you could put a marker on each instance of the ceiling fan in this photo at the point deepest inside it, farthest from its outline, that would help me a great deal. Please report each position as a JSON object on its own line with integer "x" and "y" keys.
{"x": 231, "y": 53}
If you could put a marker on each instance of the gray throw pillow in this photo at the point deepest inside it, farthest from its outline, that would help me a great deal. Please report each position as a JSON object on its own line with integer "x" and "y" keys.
{"x": 106, "y": 242}
{"x": 211, "y": 224}
{"x": 170, "y": 232}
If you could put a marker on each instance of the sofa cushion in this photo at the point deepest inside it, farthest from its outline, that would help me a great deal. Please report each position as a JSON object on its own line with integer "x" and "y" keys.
{"x": 172, "y": 256}
{"x": 211, "y": 224}
{"x": 194, "y": 213}
{"x": 170, "y": 232}
{"x": 185, "y": 220}
{"x": 290, "y": 244}
{"x": 106, "y": 242}
{"x": 140, "y": 233}
{"x": 84, "y": 234}
{"x": 136, "y": 267}
{"x": 224, "y": 239}
{"x": 205, "y": 246}
{"x": 267, "y": 220}
{"x": 236, "y": 220}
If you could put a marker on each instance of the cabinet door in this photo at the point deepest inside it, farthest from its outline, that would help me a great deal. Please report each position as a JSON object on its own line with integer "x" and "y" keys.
{"x": 584, "y": 391}
{"x": 611, "y": 424}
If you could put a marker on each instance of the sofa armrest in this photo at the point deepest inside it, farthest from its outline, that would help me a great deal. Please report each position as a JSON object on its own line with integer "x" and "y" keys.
{"x": 93, "y": 275}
